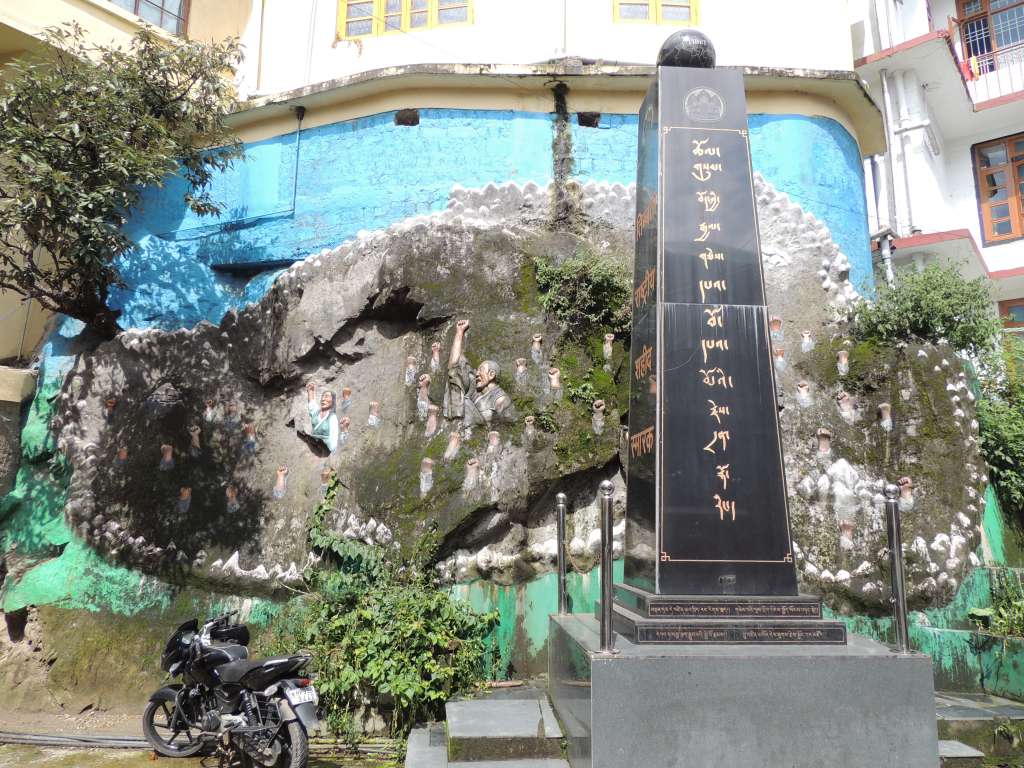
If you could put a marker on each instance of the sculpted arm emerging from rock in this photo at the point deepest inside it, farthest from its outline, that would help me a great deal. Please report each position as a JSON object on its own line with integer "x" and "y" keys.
{"x": 460, "y": 375}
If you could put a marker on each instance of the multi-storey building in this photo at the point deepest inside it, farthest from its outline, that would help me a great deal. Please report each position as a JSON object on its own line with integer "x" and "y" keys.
{"x": 359, "y": 113}
{"x": 949, "y": 77}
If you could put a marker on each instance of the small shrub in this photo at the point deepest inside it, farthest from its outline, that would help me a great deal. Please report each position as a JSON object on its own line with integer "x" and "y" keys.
{"x": 1001, "y": 422}
{"x": 929, "y": 305}
{"x": 381, "y": 635}
{"x": 1006, "y": 616}
{"x": 546, "y": 421}
{"x": 400, "y": 647}
{"x": 581, "y": 391}
{"x": 586, "y": 293}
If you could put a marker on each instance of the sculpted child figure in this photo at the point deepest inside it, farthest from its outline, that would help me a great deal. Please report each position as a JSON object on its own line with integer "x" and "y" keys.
{"x": 473, "y": 396}
{"x": 322, "y": 417}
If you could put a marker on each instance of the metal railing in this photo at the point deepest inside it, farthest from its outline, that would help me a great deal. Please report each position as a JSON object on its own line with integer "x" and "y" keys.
{"x": 605, "y": 492}
{"x": 992, "y": 74}
{"x": 899, "y": 583}
{"x": 607, "y": 633}
{"x": 561, "y": 505}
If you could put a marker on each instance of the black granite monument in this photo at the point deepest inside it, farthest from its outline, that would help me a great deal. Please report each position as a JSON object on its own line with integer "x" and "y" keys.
{"x": 706, "y": 508}
{"x": 719, "y": 660}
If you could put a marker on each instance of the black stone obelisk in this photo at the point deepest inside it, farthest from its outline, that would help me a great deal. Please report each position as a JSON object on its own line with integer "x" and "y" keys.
{"x": 706, "y": 504}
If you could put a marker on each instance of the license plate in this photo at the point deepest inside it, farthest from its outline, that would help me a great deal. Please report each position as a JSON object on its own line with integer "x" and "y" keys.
{"x": 305, "y": 695}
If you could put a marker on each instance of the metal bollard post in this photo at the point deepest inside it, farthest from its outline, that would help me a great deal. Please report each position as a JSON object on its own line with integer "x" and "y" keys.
{"x": 899, "y": 587}
{"x": 607, "y": 635}
{"x": 560, "y": 506}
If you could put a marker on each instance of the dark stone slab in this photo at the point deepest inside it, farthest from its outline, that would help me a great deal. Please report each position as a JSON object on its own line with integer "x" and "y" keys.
{"x": 706, "y": 507}
{"x": 651, "y": 605}
{"x": 642, "y": 630}
{"x": 857, "y": 705}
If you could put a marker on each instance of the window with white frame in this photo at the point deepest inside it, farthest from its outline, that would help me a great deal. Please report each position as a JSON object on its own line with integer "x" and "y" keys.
{"x": 171, "y": 15}
{"x": 992, "y": 32}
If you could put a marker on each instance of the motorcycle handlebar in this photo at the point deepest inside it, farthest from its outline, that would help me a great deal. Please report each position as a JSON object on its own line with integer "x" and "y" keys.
{"x": 221, "y": 619}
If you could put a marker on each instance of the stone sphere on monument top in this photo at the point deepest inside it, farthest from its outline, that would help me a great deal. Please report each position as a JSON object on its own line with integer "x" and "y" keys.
{"x": 687, "y": 48}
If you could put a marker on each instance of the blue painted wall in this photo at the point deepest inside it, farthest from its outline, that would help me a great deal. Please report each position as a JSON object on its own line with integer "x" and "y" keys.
{"x": 814, "y": 160}
{"x": 297, "y": 195}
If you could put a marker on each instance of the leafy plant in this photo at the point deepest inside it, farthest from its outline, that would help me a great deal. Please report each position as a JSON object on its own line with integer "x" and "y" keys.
{"x": 83, "y": 130}
{"x": 586, "y": 293}
{"x": 381, "y": 635}
{"x": 580, "y": 391}
{"x": 546, "y": 421}
{"x": 1001, "y": 421}
{"x": 934, "y": 303}
{"x": 1006, "y": 616}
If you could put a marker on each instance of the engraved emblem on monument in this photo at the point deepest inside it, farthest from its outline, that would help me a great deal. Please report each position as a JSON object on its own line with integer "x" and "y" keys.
{"x": 704, "y": 105}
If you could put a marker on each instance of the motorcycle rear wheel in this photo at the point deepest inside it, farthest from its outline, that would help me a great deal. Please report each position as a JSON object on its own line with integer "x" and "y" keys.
{"x": 166, "y": 736}
{"x": 294, "y": 750}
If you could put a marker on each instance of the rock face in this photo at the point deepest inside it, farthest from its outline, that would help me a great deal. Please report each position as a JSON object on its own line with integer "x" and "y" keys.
{"x": 10, "y": 444}
{"x": 197, "y": 450}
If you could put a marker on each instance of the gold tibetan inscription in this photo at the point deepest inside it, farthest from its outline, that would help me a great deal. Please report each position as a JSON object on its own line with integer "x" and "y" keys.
{"x": 716, "y": 377}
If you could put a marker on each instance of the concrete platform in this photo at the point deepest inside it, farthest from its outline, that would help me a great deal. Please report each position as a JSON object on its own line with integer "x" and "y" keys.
{"x": 858, "y": 706}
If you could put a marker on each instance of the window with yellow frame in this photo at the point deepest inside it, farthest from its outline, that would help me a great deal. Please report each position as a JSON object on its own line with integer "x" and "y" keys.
{"x": 657, "y": 11}
{"x": 365, "y": 18}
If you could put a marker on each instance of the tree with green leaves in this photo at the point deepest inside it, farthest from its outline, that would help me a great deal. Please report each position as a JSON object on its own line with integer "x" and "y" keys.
{"x": 83, "y": 130}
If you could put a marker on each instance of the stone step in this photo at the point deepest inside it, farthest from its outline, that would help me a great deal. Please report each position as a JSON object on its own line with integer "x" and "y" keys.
{"x": 979, "y": 720}
{"x": 502, "y": 728}
{"x": 529, "y": 763}
{"x": 428, "y": 747}
{"x": 955, "y": 754}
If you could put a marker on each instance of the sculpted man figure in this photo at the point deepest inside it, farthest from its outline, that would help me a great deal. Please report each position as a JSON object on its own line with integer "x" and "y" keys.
{"x": 473, "y": 396}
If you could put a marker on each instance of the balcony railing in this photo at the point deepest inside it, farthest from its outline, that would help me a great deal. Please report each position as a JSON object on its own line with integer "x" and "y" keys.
{"x": 989, "y": 75}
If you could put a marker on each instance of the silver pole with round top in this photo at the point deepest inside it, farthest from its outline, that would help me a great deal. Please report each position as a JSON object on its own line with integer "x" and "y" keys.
{"x": 899, "y": 585}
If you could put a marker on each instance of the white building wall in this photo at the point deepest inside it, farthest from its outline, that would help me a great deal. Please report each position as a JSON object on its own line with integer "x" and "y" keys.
{"x": 299, "y": 45}
{"x": 879, "y": 24}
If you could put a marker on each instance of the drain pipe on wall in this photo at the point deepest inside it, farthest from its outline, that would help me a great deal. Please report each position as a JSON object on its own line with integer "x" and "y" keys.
{"x": 890, "y": 181}
{"x": 904, "y": 119}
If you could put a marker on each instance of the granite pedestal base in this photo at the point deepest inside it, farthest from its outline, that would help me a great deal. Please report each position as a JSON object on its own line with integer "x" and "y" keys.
{"x": 701, "y": 706}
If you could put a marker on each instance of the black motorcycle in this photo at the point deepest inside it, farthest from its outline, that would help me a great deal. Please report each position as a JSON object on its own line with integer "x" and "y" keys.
{"x": 258, "y": 712}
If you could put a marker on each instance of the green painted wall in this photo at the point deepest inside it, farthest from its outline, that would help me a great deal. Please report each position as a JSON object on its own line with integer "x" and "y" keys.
{"x": 50, "y": 566}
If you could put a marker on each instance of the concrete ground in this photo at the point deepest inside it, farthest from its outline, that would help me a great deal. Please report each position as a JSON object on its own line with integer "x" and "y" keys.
{"x": 16, "y": 756}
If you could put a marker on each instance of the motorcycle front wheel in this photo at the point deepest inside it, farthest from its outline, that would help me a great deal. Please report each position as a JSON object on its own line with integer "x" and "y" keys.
{"x": 294, "y": 749}
{"x": 169, "y": 736}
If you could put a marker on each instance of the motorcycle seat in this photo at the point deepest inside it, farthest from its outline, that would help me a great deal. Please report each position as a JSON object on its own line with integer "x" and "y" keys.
{"x": 236, "y": 670}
